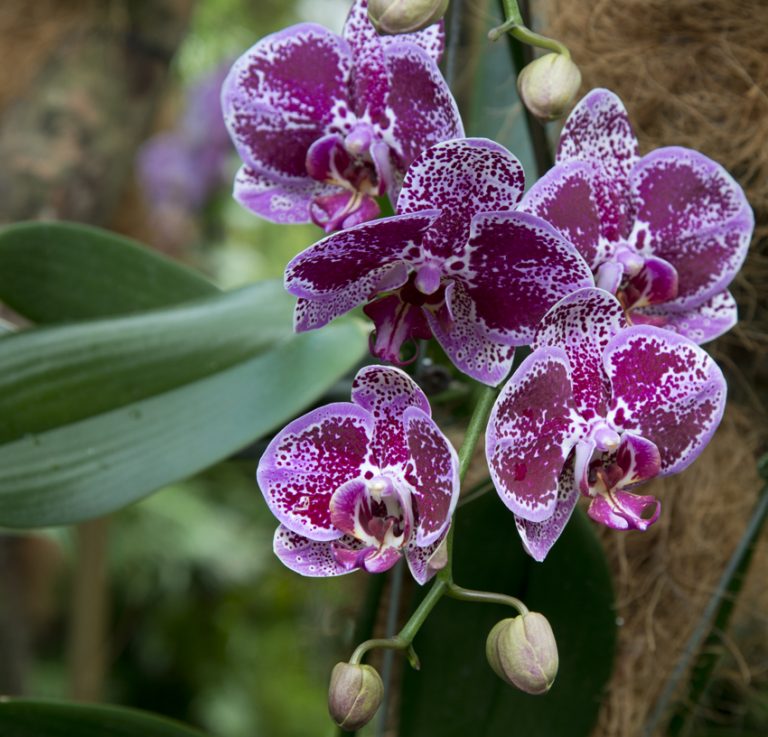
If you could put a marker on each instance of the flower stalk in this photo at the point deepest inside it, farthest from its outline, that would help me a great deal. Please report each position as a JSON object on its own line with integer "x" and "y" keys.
{"x": 516, "y": 28}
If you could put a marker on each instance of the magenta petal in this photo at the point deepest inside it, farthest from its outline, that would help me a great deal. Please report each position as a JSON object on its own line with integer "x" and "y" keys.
{"x": 700, "y": 324}
{"x": 425, "y": 561}
{"x": 345, "y": 506}
{"x": 431, "y": 39}
{"x": 310, "y": 557}
{"x": 582, "y": 457}
{"x": 530, "y": 433}
{"x": 583, "y": 324}
{"x": 327, "y": 159}
{"x": 381, "y": 559}
{"x": 396, "y": 323}
{"x": 518, "y": 267}
{"x": 462, "y": 337}
{"x": 282, "y": 94}
{"x": 598, "y": 130}
{"x": 539, "y": 537}
{"x": 638, "y": 458}
{"x": 665, "y": 389}
{"x": 278, "y": 202}
{"x": 656, "y": 283}
{"x": 420, "y": 107}
{"x": 463, "y": 178}
{"x": 308, "y": 460}
{"x": 622, "y": 510}
{"x": 433, "y": 475}
{"x": 565, "y": 198}
{"x": 678, "y": 192}
{"x": 343, "y": 209}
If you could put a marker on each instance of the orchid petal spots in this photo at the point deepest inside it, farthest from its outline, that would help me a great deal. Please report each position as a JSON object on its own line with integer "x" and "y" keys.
{"x": 310, "y": 557}
{"x": 421, "y": 110}
{"x": 678, "y": 192}
{"x": 433, "y": 476}
{"x": 583, "y": 324}
{"x": 281, "y": 95}
{"x": 463, "y": 178}
{"x": 598, "y": 130}
{"x": 566, "y": 199}
{"x": 531, "y": 431}
{"x": 517, "y": 268}
{"x": 425, "y": 561}
{"x": 281, "y": 203}
{"x": 665, "y": 389}
{"x": 387, "y": 393}
{"x": 459, "y": 332}
{"x": 621, "y": 510}
{"x": 308, "y": 460}
{"x": 699, "y": 324}
{"x": 539, "y": 537}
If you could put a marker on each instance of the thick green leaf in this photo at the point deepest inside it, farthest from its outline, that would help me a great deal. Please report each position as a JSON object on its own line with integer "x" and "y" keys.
{"x": 96, "y": 465}
{"x": 59, "y": 375}
{"x": 58, "y": 272}
{"x": 52, "y": 719}
{"x": 456, "y": 693}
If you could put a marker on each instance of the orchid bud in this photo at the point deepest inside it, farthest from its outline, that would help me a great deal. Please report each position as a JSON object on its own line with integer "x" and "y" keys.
{"x": 548, "y": 85}
{"x": 523, "y": 652}
{"x": 405, "y": 16}
{"x": 354, "y": 695}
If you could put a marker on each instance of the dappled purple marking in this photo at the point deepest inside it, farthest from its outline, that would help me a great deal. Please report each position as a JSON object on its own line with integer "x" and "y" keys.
{"x": 359, "y": 484}
{"x": 666, "y": 232}
{"x": 530, "y": 433}
{"x": 425, "y": 561}
{"x": 433, "y": 475}
{"x": 666, "y": 390}
{"x": 306, "y": 107}
{"x": 598, "y": 407}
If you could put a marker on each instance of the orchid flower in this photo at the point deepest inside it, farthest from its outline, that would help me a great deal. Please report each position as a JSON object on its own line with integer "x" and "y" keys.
{"x": 665, "y": 232}
{"x": 360, "y": 484}
{"x": 325, "y": 124}
{"x": 455, "y": 262}
{"x": 597, "y": 408}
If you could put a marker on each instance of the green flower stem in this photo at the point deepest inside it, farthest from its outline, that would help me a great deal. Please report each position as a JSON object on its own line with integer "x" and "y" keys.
{"x": 517, "y": 29}
{"x": 485, "y": 597}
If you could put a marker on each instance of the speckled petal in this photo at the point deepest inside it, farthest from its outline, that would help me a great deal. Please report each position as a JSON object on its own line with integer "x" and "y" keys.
{"x": 457, "y": 329}
{"x": 308, "y": 460}
{"x": 386, "y": 393}
{"x": 678, "y": 192}
{"x": 539, "y": 537}
{"x": 582, "y": 324}
{"x": 517, "y": 268}
{"x": 699, "y": 324}
{"x": 463, "y": 177}
{"x": 421, "y": 110}
{"x": 598, "y": 130}
{"x": 565, "y": 198}
{"x": 433, "y": 473}
{"x": 283, "y": 94}
{"x": 278, "y": 202}
{"x": 310, "y": 557}
{"x": 349, "y": 268}
{"x": 425, "y": 561}
{"x": 665, "y": 389}
{"x": 530, "y": 433}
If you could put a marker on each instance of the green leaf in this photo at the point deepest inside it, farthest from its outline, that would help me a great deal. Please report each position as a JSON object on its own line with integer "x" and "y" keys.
{"x": 59, "y": 272}
{"x": 100, "y": 414}
{"x": 456, "y": 693}
{"x": 21, "y": 718}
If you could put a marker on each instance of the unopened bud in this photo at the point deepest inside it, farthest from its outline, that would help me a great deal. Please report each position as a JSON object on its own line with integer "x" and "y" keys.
{"x": 523, "y": 652}
{"x": 548, "y": 85}
{"x": 354, "y": 695}
{"x": 405, "y": 16}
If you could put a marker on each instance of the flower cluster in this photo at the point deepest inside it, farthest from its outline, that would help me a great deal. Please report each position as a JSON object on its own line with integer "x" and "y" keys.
{"x": 325, "y": 124}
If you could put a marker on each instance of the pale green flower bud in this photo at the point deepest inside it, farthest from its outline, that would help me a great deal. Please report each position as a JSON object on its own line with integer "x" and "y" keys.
{"x": 548, "y": 85}
{"x": 405, "y": 16}
{"x": 523, "y": 652}
{"x": 354, "y": 695}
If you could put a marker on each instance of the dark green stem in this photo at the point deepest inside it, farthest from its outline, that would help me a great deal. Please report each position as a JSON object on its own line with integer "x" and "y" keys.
{"x": 485, "y": 597}
{"x": 516, "y": 28}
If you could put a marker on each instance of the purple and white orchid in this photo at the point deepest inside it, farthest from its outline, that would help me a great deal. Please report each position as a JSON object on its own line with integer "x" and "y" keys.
{"x": 597, "y": 408}
{"x": 455, "y": 262}
{"x": 360, "y": 484}
{"x": 324, "y": 123}
{"x": 666, "y": 232}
